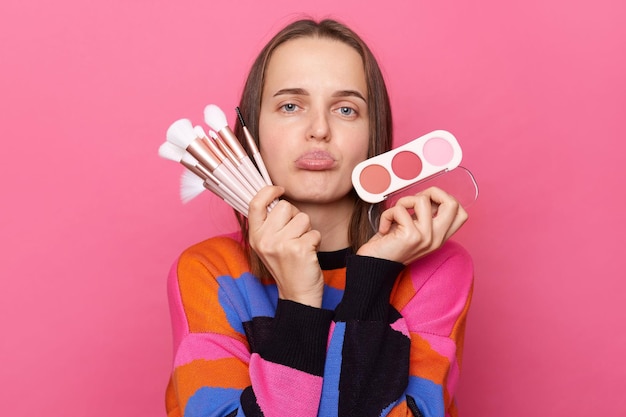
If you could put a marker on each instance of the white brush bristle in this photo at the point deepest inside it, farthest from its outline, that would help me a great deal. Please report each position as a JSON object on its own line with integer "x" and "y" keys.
{"x": 215, "y": 117}
{"x": 199, "y": 132}
{"x": 181, "y": 133}
{"x": 172, "y": 152}
{"x": 212, "y": 134}
{"x": 191, "y": 186}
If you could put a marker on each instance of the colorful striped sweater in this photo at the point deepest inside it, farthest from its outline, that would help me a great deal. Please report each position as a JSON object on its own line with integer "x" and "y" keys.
{"x": 386, "y": 342}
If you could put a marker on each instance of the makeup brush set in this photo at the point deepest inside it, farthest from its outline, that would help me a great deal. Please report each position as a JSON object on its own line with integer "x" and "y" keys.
{"x": 218, "y": 162}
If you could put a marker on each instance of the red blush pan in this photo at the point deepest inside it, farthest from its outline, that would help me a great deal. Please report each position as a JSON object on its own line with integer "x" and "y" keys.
{"x": 406, "y": 165}
{"x": 376, "y": 178}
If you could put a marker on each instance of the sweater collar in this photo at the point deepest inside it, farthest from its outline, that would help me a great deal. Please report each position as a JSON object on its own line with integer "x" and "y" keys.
{"x": 333, "y": 260}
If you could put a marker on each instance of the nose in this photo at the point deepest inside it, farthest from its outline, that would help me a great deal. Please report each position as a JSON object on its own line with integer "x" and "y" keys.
{"x": 319, "y": 128}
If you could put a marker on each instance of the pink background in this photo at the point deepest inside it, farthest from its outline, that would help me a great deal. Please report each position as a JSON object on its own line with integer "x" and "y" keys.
{"x": 90, "y": 220}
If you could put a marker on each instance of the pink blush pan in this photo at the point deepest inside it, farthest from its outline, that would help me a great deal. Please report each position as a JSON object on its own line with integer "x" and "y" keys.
{"x": 438, "y": 151}
{"x": 376, "y": 178}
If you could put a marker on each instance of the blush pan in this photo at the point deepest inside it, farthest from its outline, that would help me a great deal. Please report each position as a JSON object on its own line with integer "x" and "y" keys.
{"x": 376, "y": 178}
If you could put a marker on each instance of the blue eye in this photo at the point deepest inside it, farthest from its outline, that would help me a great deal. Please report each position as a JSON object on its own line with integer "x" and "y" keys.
{"x": 289, "y": 107}
{"x": 346, "y": 111}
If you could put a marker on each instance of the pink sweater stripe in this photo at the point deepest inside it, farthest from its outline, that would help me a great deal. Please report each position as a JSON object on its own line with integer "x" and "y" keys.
{"x": 283, "y": 391}
{"x": 210, "y": 346}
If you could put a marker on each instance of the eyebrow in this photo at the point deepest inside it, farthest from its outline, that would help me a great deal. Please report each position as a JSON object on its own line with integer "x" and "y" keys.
{"x": 303, "y": 92}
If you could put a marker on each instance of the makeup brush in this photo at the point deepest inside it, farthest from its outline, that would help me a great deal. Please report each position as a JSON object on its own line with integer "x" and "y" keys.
{"x": 192, "y": 186}
{"x": 210, "y": 182}
{"x": 174, "y": 153}
{"x": 182, "y": 134}
{"x": 224, "y": 159}
{"x": 216, "y": 119}
{"x": 254, "y": 149}
{"x": 218, "y": 142}
{"x": 170, "y": 151}
{"x": 192, "y": 179}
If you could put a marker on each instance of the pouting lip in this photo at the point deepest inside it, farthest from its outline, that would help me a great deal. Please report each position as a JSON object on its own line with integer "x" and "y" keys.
{"x": 315, "y": 160}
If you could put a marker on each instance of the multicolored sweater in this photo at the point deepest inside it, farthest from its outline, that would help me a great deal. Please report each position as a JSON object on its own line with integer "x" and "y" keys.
{"x": 386, "y": 342}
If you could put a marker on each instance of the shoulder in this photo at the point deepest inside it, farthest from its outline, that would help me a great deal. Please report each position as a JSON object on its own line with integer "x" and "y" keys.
{"x": 451, "y": 252}
{"x": 434, "y": 292}
{"x": 450, "y": 267}
{"x": 224, "y": 254}
{"x": 194, "y": 283}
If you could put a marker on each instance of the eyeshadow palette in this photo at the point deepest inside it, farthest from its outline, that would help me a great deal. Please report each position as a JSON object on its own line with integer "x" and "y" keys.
{"x": 378, "y": 177}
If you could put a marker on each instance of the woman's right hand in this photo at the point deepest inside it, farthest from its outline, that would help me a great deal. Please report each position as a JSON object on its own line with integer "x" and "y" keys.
{"x": 287, "y": 245}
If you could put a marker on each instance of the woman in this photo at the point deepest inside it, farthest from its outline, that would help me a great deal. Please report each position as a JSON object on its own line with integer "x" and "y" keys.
{"x": 309, "y": 311}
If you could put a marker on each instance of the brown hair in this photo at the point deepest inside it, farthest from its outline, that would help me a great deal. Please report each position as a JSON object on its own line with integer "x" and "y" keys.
{"x": 380, "y": 122}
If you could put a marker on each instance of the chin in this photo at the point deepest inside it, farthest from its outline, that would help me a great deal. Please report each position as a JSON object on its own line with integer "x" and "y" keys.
{"x": 317, "y": 189}
{"x": 323, "y": 196}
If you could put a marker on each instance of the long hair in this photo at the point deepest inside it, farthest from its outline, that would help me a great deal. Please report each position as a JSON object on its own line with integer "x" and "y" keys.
{"x": 379, "y": 108}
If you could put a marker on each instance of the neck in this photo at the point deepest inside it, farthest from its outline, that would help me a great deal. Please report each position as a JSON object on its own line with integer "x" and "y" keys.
{"x": 332, "y": 221}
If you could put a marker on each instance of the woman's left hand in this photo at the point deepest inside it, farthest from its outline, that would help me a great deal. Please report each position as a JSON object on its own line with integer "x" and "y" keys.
{"x": 404, "y": 236}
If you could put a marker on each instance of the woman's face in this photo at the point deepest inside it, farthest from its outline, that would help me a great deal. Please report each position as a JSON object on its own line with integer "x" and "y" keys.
{"x": 313, "y": 126}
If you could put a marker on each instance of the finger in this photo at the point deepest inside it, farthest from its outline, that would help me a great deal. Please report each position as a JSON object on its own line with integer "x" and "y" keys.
{"x": 459, "y": 220}
{"x": 396, "y": 214}
{"x": 450, "y": 214}
{"x": 257, "y": 211}
{"x": 312, "y": 238}
{"x": 270, "y": 235}
{"x": 278, "y": 225}
{"x": 438, "y": 196}
{"x": 422, "y": 206}
{"x": 298, "y": 225}
{"x": 423, "y": 218}
{"x": 435, "y": 211}
{"x": 409, "y": 202}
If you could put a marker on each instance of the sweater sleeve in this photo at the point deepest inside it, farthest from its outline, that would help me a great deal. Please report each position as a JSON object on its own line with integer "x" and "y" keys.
{"x": 367, "y": 361}
{"x": 398, "y": 358}
{"x": 435, "y": 315}
{"x": 239, "y": 351}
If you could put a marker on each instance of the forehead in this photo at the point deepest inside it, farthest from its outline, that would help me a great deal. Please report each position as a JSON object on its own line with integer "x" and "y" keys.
{"x": 315, "y": 62}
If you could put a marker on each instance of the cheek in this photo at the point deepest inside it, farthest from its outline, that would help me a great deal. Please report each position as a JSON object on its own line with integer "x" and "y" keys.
{"x": 269, "y": 152}
{"x": 271, "y": 134}
{"x": 267, "y": 140}
{"x": 273, "y": 150}
{"x": 361, "y": 148}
